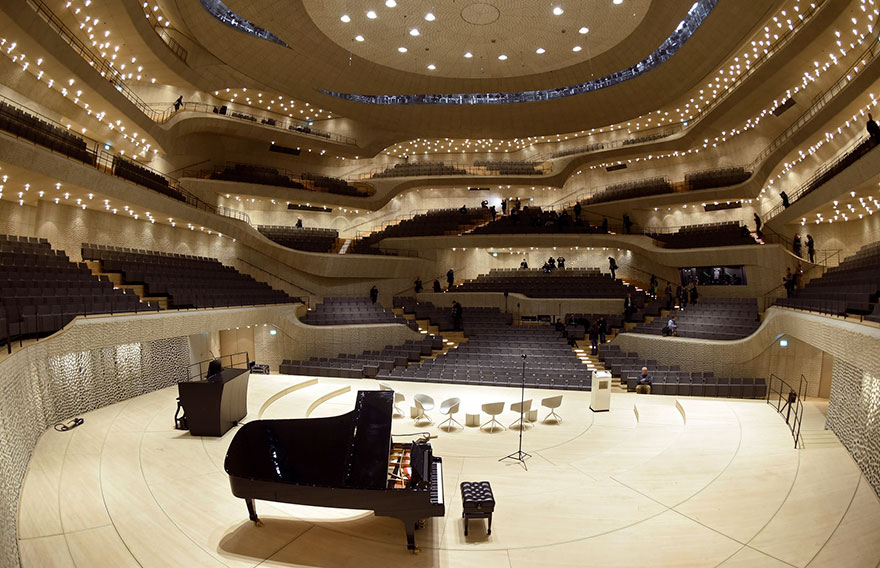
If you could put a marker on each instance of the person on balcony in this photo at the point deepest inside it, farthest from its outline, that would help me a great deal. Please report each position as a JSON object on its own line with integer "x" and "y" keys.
{"x": 873, "y": 129}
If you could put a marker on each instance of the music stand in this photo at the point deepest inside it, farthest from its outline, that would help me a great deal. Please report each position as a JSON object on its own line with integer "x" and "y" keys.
{"x": 519, "y": 455}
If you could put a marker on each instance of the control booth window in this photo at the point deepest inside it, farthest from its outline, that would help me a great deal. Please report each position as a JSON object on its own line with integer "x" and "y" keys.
{"x": 714, "y": 276}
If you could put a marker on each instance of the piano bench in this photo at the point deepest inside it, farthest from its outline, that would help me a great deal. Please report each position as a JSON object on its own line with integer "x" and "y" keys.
{"x": 477, "y": 502}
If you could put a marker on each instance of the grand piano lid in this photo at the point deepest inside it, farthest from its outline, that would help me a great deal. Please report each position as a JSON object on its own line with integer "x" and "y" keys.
{"x": 350, "y": 450}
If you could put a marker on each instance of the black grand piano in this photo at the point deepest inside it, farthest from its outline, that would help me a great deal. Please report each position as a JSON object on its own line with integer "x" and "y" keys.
{"x": 346, "y": 461}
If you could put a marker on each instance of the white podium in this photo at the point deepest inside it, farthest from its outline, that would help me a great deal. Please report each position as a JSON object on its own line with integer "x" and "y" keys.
{"x": 600, "y": 395}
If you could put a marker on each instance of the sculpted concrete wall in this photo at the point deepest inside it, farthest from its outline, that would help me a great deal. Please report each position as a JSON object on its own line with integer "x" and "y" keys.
{"x": 101, "y": 360}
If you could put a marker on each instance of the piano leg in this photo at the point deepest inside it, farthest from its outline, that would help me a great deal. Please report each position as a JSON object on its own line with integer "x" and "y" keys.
{"x": 411, "y": 526}
{"x": 252, "y": 512}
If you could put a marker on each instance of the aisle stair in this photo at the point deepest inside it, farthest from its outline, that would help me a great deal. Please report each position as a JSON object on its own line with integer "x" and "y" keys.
{"x": 119, "y": 282}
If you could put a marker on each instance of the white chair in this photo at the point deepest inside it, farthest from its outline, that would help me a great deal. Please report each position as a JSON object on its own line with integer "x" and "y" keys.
{"x": 521, "y": 408}
{"x": 423, "y": 403}
{"x": 398, "y": 398}
{"x": 449, "y": 407}
{"x": 493, "y": 409}
{"x": 552, "y": 403}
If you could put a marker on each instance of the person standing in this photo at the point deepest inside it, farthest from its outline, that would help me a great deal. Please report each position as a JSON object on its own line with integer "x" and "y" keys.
{"x": 504, "y": 207}
{"x": 670, "y": 300}
{"x": 551, "y": 262}
{"x": 628, "y": 307}
{"x": 788, "y": 283}
{"x": 811, "y": 248}
{"x": 493, "y": 212}
{"x": 694, "y": 294}
{"x": 560, "y": 263}
{"x": 627, "y": 224}
{"x": 577, "y": 211}
{"x": 524, "y": 265}
{"x": 873, "y": 129}
{"x": 796, "y": 245}
{"x": 612, "y": 266}
{"x": 179, "y": 103}
{"x": 437, "y": 288}
{"x": 517, "y": 205}
{"x": 418, "y": 284}
{"x": 758, "y": 225}
{"x": 456, "y": 315}
{"x": 594, "y": 339}
{"x": 450, "y": 278}
{"x": 784, "y": 197}
{"x": 299, "y": 223}
{"x": 604, "y": 224}
{"x": 374, "y": 294}
{"x": 602, "y": 324}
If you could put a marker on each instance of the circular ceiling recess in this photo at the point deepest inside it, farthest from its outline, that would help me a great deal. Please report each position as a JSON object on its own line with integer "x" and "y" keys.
{"x": 477, "y": 39}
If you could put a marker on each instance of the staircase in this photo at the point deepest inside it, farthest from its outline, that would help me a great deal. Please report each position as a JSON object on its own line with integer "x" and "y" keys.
{"x": 582, "y": 350}
{"x": 119, "y": 282}
{"x": 451, "y": 339}
{"x": 344, "y": 248}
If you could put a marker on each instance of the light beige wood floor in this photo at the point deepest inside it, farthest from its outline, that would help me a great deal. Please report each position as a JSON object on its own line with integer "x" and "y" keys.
{"x": 681, "y": 482}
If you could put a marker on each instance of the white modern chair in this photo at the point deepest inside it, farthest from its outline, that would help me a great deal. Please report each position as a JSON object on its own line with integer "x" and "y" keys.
{"x": 552, "y": 403}
{"x": 398, "y": 398}
{"x": 449, "y": 407}
{"x": 493, "y": 409}
{"x": 524, "y": 407}
{"x": 423, "y": 403}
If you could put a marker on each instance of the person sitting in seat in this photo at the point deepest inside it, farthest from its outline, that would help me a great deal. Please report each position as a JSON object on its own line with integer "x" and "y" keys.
{"x": 671, "y": 327}
{"x": 643, "y": 384}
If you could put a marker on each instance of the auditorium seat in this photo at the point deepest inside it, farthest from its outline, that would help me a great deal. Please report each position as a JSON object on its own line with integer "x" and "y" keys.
{"x": 187, "y": 281}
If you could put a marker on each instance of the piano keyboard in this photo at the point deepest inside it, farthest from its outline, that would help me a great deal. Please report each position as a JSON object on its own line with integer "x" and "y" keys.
{"x": 437, "y": 483}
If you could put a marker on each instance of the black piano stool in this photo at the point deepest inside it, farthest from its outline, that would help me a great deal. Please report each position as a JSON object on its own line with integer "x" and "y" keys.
{"x": 477, "y": 501}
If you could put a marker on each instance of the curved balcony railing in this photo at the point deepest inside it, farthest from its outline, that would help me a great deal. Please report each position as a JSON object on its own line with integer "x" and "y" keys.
{"x": 263, "y": 118}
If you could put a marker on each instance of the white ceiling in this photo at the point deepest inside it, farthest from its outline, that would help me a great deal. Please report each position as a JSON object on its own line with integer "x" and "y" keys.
{"x": 485, "y": 28}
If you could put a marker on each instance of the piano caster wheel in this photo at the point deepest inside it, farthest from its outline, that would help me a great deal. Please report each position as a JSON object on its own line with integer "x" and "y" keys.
{"x": 415, "y": 550}
{"x": 258, "y": 523}
{"x": 421, "y": 524}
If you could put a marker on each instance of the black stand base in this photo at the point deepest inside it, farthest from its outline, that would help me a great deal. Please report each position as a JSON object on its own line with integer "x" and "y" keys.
{"x": 519, "y": 456}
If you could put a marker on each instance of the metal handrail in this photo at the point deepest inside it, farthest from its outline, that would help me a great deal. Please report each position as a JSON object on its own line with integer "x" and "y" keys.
{"x": 294, "y": 284}
{"x": 265, "y": 118}
{"x": 817, "y": 180}
{"x": 101, "y": 66}
{"x": 172, "y": 43}
{"x": 544, "y": 168}
{"x": 797, "y": 401}
{"x": 730, "y": 89}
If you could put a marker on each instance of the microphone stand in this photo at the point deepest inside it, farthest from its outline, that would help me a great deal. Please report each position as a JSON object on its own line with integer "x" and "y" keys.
{"x": 520, "y": 455}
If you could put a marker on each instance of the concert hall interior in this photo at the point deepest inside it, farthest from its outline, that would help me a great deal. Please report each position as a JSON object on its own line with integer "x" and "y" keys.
{"x": 283, "y": 283}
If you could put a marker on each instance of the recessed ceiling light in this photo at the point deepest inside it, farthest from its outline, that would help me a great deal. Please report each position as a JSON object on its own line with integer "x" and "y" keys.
{"x": 502, "y": 57}
{"x": 372, "y": 14}
{"x": 401, "y": 49}
{"x": 557, "y": 10}
{"x": 430, "y": 16}
{"x": 468, "y": 54}
{"x": 345, "y": 18}
{"x": 584, "y": 30}
{"x": 540, "y": 50}
{"x": 432, "y": 66}
{"x": 414, "y": 32}
{"x": 359, "y": 38}
{"x": 391, "y": 3}
{"x": 576, "y": 48}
